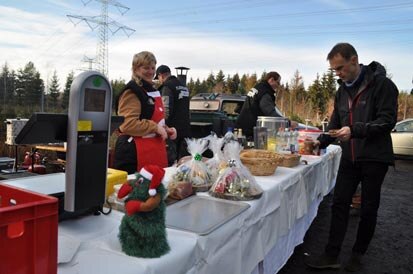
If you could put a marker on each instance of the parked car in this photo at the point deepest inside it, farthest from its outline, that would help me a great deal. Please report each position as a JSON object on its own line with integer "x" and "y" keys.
{"x": 214, "y": 112}
{"x": 402, "y": 138}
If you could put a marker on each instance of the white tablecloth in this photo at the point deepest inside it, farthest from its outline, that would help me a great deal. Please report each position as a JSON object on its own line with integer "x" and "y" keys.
{"x": 261, "y": 239}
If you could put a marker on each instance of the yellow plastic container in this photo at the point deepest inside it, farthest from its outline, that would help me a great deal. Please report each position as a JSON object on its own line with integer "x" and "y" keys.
{"x": 115, "y": 177}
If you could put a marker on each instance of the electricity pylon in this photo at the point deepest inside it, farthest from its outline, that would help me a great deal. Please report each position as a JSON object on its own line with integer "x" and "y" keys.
{"x": 105, "y": 24}
{"x": 89, "y": 61}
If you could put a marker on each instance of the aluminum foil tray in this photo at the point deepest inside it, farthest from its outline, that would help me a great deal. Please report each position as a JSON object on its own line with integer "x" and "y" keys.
{"x": 202, "y": 214}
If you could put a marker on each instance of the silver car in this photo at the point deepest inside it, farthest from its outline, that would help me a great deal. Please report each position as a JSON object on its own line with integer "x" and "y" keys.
{"x": 402, "y": 137}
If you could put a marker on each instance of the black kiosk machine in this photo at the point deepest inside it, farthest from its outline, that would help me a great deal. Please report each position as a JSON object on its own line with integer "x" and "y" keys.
{"x": 86, "y": 128}
{"x": 88, "y": 132}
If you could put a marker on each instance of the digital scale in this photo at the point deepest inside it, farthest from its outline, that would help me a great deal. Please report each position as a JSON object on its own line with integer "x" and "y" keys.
{"x": 88, "y": 132}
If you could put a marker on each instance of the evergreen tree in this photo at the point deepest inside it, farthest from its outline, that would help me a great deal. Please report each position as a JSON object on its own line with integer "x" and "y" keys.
{"x": 318, "y": 97}
{"x": 7, "y": 83}
{"x": 196, "y": 88}
{"x": 220, "y": 77}
{"x": 329, "y": 83}
{"x": 210, "y": 82}
{"x": 117, "y": 87}
{"x": 191, "y": 85}
{"x": 29, "y": 87}
{"x": 37, "y": 93}
{"x": 54, "y": 92}
{"x": 230, "y": 86}
{"x": 219, "y": 86}
{"x": 243, "y": 84}
{"x": 203, "y": 87}
{"x": 236, "y": 83}
{"x": 283, "y": 97}
{"x": 66, "y": 90}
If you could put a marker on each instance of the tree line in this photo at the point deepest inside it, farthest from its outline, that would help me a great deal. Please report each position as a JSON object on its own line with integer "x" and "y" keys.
{"x": 23, "y": 92}
{"x": 293, "y": 99}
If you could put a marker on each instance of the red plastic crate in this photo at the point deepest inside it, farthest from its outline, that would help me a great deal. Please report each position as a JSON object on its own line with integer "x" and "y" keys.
{"x": 28, "y": 232}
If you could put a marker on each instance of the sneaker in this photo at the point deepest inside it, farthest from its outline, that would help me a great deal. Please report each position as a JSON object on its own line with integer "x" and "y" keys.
{"x": 354, "y": 263}
{"x": 322, "y": 262}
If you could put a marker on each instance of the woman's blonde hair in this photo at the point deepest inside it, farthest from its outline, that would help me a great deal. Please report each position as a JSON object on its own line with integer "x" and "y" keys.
{"x": 142, "y": 58}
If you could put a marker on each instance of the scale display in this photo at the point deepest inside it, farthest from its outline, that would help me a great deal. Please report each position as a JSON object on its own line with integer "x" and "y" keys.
{"x": 94, "y": 100}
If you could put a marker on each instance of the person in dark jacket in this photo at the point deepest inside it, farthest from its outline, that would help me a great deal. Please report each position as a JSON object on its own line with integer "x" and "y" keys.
{"x": 175, "y": 97}
{"x": 143, "y": 133}
{"x": 260, "y": 101}
{"x": 365, "y": 112}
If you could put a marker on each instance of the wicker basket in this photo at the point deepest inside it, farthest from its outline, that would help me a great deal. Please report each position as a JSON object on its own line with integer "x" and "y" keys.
{"x": 260, "y": 162}
{"x": 290, "y": 160}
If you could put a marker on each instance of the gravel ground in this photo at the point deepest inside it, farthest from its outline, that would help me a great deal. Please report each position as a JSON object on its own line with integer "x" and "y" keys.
{"x": 390, "y": 251}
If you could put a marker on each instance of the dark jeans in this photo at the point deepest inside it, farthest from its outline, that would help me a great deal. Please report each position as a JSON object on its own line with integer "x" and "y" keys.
{"x": 181, "y": 148}
{"x": 371, "y": 176}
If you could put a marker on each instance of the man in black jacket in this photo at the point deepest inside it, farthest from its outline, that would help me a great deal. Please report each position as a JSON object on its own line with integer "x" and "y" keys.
{"x": 260, "y": 101}
{"x": 175, "y": 96}
{"x": 365, "y": 112}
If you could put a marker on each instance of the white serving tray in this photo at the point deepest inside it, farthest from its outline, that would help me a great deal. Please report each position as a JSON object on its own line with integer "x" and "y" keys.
{"x": 202, "y": 214}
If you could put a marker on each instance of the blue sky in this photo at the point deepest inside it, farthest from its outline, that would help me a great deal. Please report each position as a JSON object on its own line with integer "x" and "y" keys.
{"x": 244, "y": 36}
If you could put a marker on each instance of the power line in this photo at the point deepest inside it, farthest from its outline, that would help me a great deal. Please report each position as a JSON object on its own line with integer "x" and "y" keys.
{"x": 104, "y": 24}
{"x": 299, "y": 34}
{"x": 208, "y": 7}
{"x": 294, "y": 14}
{"x": 309, "y": 28}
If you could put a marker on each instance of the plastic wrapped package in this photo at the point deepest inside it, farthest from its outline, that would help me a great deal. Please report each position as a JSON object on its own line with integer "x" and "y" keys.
{"x": 217, "y": 162}
{"x": 179, "y": 190}
{"x": 235, "y": 182}
{"x": 195, "y": 170}
{"x": 229, "y": 137}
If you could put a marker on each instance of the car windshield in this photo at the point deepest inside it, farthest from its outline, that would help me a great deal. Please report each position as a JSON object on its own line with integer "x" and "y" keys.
{"x": 405, "y": 127}
{"x": 232, "y": 107}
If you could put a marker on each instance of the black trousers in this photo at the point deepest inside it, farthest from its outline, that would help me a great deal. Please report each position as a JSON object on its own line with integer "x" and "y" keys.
{"x": 125, "y": 155}
{"x": 181, "y": 147}
{"x": 371, "y": 176}
{"x": 176, "y": 149}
